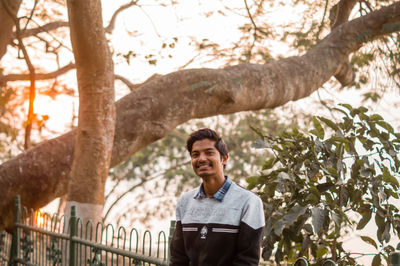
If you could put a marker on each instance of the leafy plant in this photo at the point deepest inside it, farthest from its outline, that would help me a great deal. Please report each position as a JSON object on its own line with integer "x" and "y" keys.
{"x": 318, "y": 186}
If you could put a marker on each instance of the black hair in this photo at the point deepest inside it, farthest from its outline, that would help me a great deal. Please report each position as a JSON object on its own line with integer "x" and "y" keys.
{"x": 206, "y": 133}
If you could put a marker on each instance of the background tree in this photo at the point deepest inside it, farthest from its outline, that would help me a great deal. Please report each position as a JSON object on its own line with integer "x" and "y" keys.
{"x": 317, "y": 187}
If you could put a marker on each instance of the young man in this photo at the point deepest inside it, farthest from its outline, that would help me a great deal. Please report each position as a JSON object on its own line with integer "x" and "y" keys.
{"x": 219, "y": 223}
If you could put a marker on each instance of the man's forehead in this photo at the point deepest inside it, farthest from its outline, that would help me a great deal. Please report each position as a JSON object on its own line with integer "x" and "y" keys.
{"x": 204, "y": 144}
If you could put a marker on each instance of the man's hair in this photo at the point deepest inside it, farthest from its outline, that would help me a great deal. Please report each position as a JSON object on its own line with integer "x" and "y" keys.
{"x": 206, "y": 133}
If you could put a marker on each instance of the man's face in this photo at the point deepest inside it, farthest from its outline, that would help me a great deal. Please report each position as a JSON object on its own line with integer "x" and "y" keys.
{"x": 206, "y": 159}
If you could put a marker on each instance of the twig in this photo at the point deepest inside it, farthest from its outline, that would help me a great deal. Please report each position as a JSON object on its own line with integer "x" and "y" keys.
{"x": 321, "y": 25}
{"x": 256, "y": 28}
{"x": 31, "y": 14}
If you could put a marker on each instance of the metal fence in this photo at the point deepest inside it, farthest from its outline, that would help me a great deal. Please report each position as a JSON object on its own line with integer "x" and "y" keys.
{"x": 41, "y": 239}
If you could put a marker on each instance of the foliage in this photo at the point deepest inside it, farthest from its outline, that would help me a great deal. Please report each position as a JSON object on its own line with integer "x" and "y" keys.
{"x": 316, "y": 187}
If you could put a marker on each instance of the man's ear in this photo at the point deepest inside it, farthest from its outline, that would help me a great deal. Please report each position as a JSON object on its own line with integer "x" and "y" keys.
{"x": 224, "y": 159}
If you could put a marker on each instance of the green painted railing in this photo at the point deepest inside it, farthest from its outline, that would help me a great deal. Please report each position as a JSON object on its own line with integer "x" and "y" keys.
{"x": 53, "y": 240}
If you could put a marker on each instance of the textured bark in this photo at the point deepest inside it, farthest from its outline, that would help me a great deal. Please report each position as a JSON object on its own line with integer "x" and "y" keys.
{"x": 7, "y": 23}
{"x": 340, "y": 12}
{"x": 95, "y": 75}
{"x": 159, "y": 105}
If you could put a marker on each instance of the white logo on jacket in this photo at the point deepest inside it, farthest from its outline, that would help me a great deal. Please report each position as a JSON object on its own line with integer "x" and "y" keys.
{"x": 203, "y": 232}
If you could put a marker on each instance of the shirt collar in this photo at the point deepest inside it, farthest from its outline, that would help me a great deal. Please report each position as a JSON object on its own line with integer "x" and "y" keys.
{"x": 219, "y": 195}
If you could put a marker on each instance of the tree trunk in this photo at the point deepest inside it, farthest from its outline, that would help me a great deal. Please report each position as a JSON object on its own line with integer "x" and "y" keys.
{"x": 96, "y": 124}
{"x": 159, "y": 105}
{"x": 7, "y": 23}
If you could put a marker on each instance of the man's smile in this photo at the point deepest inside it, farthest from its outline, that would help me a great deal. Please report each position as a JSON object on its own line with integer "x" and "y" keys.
{"x": 203, "y": 165}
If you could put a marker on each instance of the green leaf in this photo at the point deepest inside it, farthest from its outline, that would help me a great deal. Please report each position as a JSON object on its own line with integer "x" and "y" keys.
{"x": 312, "y": 199}
{"x": 388, "y": 178}
{"x": 364, "y": 220}
{"x": 340, "y": 110}
{"x": 377, "y": 260}
{"x": 375, "y": 117}
{"x": 386, "y": 126}
{"x": 319, "y": 216}
{"x": 319, "y": 129}
{"x": 369, "y": 240}
{"x": 294, "y": 213}
{"x": 253, "y": 181}
{"x": 322, "y": 251}
{"x": 392, "y": 193}
{"x": 347, "y": 106}
{"x": 259, "y": 144}
{"x": 329, "y": 123}
{"x": 268, "y": 164}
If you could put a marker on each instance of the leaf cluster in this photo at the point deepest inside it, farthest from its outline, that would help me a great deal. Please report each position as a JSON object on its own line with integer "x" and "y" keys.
{"x": 317, "y": 185}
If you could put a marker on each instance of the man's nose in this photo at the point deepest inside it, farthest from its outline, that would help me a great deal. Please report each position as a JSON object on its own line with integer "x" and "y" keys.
{"x": 202, "y": 157}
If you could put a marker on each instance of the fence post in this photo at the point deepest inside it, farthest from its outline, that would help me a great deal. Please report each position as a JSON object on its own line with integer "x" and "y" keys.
{"x": 15, "y": 245}
{"x": 72, "y": 233}
{"x": 171, "y": 233}
{"x": 395, "y": 259}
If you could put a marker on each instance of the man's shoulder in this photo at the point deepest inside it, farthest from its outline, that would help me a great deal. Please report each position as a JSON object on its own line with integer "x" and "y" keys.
{"x": 243, "y": 192}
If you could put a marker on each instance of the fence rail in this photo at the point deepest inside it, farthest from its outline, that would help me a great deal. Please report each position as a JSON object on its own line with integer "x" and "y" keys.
{"x": 52, "y": 240}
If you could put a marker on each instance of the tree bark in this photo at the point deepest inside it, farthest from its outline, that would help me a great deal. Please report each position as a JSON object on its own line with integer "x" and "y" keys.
{"x": 7, "y": 23}
{"x": 159, "y": 105}
{"x": 95, "y": 132}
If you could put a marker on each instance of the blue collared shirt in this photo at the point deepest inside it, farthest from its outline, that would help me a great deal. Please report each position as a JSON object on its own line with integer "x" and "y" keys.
{"x": 219, "y": 195}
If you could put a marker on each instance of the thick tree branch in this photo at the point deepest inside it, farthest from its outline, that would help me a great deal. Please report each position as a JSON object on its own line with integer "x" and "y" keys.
{"x": 340, "y": 12}
{"x": 338, "y": 15}
{"x": 159, "y": 105}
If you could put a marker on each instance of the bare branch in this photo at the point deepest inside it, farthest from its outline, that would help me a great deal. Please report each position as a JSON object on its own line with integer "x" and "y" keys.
{"x": 111, "y": 25}
{"x": 38, "y": 76}
{"x": 256, "y": 28}
{"x": 134, "y": 86}
{"x": 321, "y": 25}
{"x": 126, "y": 81}
{"x": 45, "y": 28}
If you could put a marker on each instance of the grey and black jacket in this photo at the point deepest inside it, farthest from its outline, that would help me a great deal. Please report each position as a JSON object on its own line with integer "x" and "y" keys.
{"x": 226, "y": 230}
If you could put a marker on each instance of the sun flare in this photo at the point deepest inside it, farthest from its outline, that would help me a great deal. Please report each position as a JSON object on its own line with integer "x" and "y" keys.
{"x": 57, "y": 114}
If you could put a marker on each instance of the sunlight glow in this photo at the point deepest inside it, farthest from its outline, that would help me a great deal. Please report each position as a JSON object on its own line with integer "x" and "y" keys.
{"x": 55, "y": 114}
{"x": 39, "y": 217}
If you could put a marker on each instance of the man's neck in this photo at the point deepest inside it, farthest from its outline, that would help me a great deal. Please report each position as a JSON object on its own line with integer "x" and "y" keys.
{"x": 212, "y": 184}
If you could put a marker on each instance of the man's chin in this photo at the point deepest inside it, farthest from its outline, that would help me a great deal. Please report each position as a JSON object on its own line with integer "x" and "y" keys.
{"x": 203, "y": 174}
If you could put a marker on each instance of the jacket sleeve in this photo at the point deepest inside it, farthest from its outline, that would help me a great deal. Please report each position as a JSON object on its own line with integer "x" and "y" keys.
{"x": 177, "y": 248}
{"x": 251, "y": 231}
